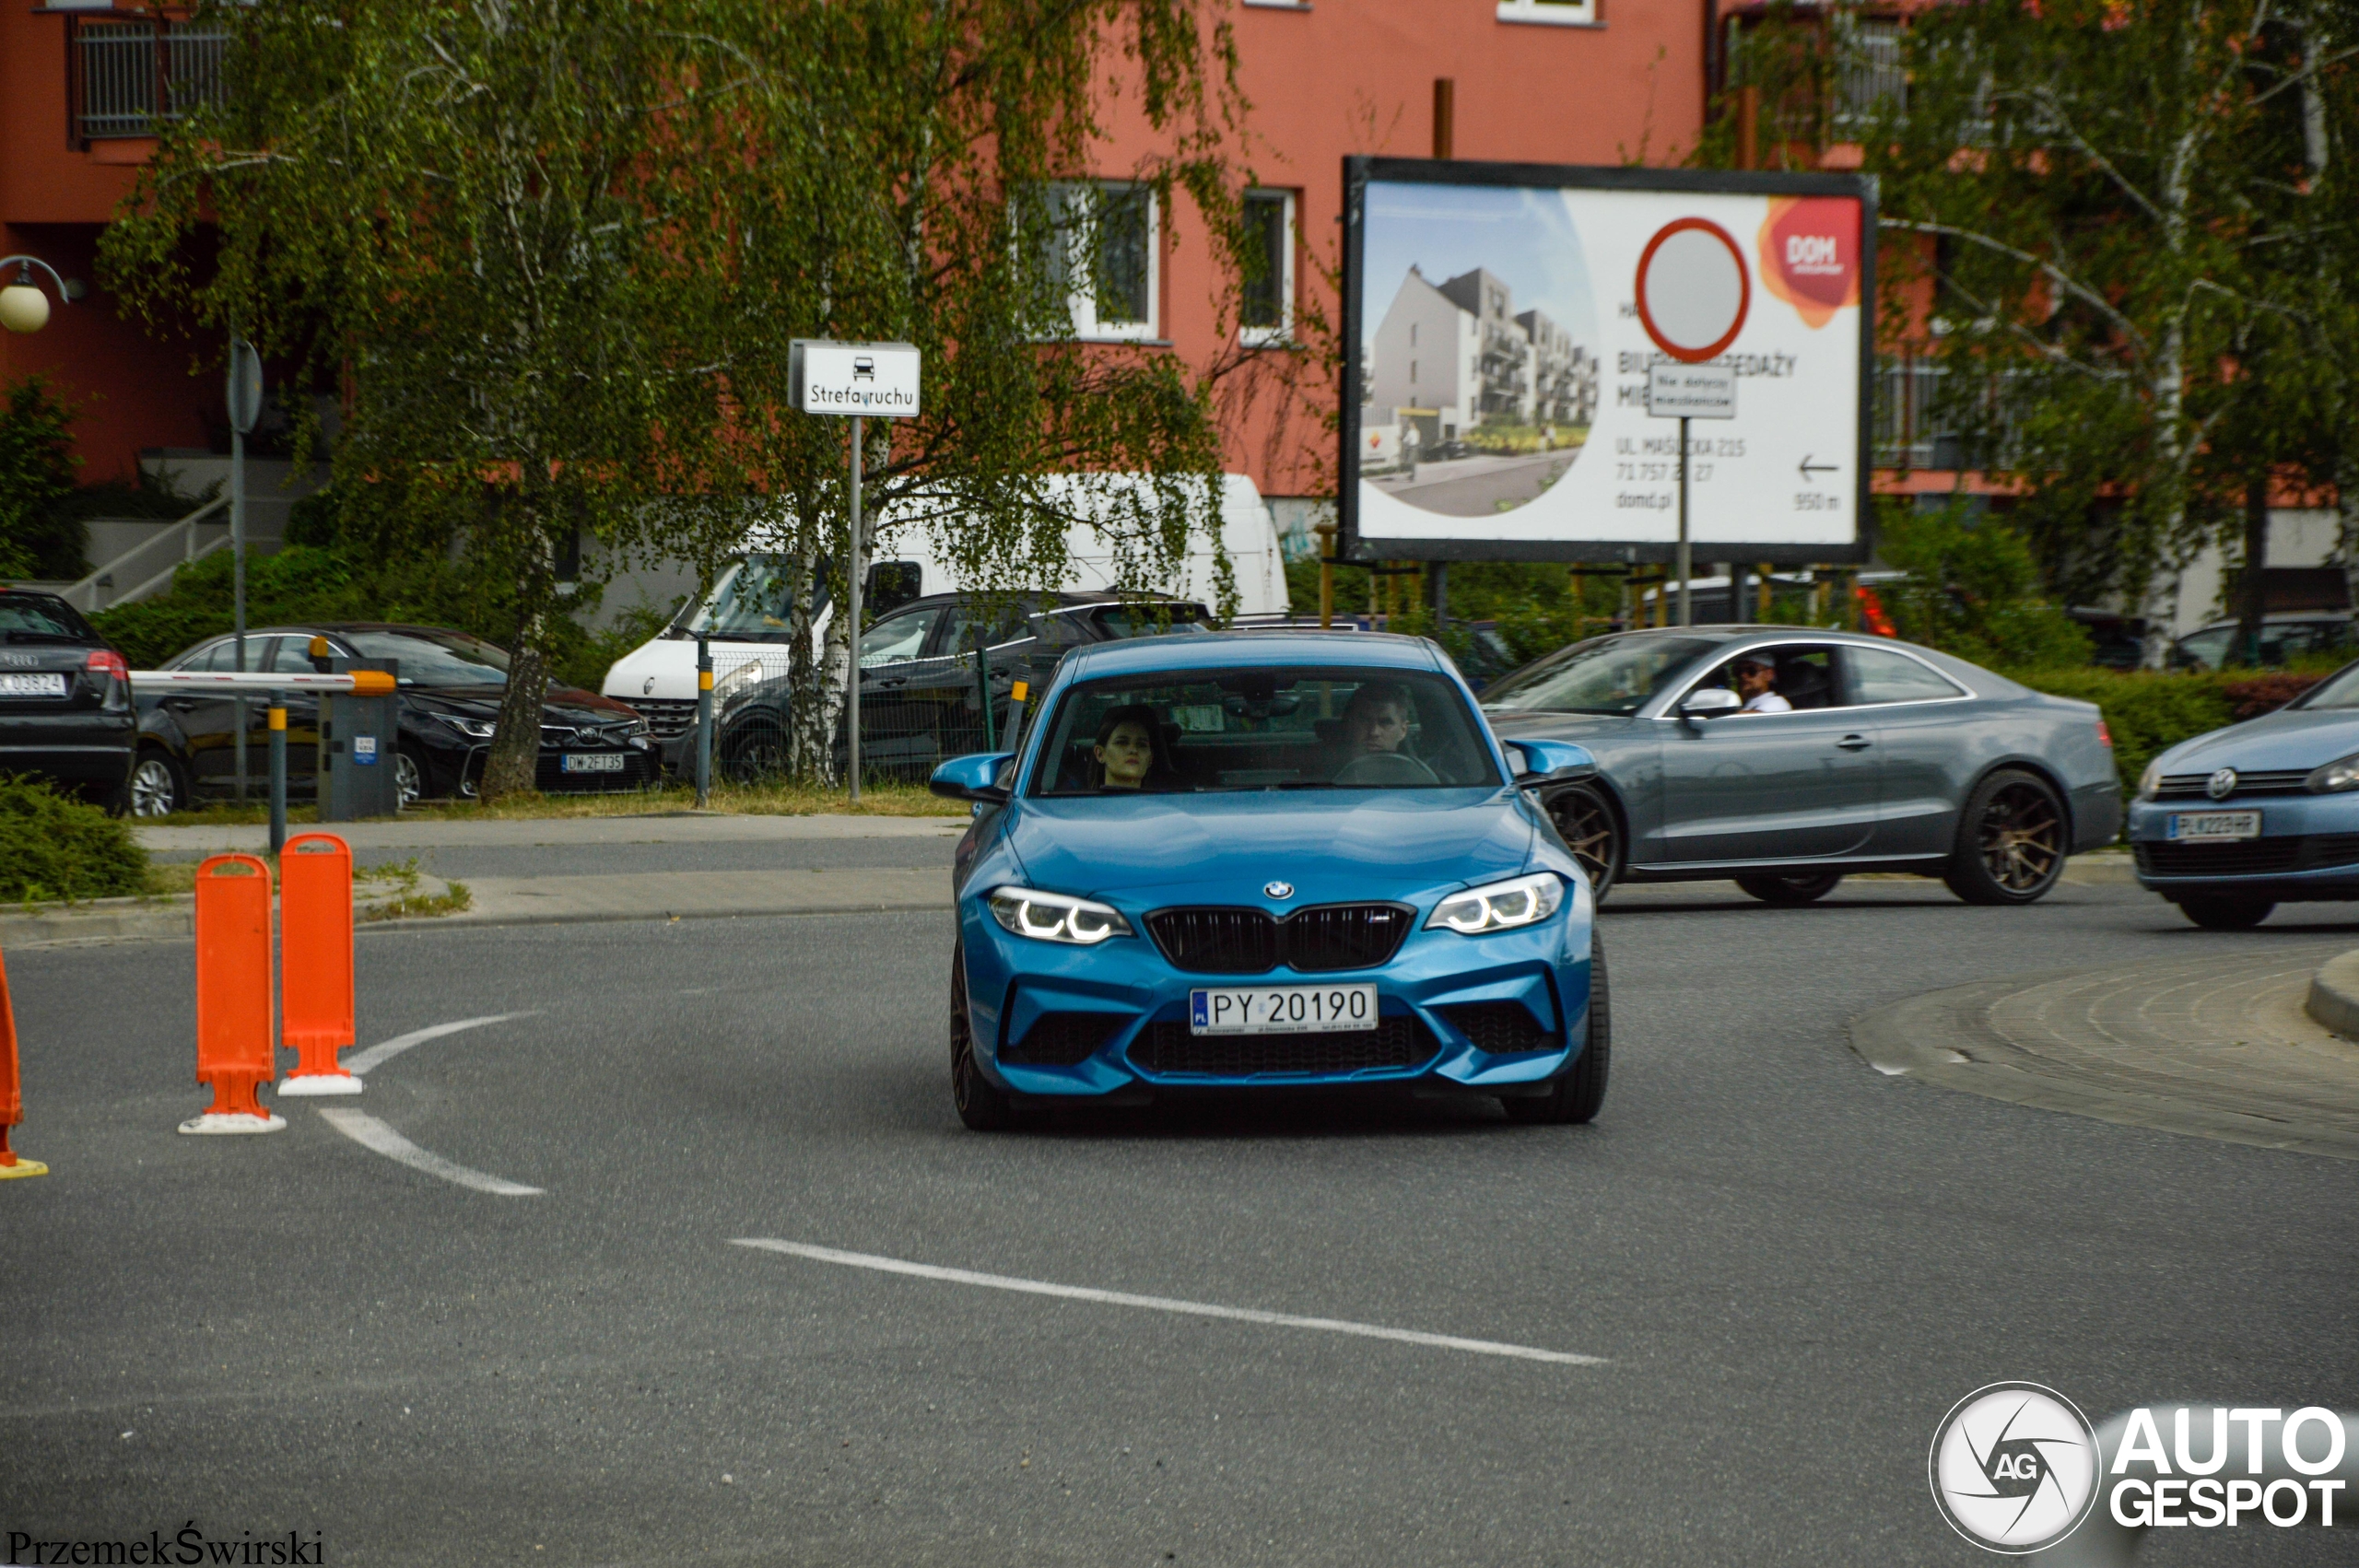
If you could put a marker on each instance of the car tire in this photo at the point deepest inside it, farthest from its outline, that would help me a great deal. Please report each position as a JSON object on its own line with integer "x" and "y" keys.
{"x": 981, "y": 1105}
{"x": 2011, "y": 840}
{"x": 411, "y": 776}
{"x": 159, "y": 785}
{"x": 1584, "y": 818}
{"x": 1576, "y": 1095}
{"x": 1790, "y": 889}
{"x": 2220, "y": 912}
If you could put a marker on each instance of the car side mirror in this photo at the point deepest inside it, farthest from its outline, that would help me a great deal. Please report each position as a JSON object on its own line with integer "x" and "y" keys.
{"x": 1705, "y": 701}
{"x": 982, "y": 776}
{"x": 1549, "y": 762}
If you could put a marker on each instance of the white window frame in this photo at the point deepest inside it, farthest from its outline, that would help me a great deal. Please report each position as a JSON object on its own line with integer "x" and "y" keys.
{"x": 1082, "y": 300}
{"x": 1551, "y": 12}
{"x": 1271, "y": 337}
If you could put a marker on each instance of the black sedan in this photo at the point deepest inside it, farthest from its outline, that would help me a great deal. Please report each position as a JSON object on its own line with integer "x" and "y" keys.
{"x": 919, "y": 699}
{"x": 65, "y": 699}
{"x": 450, "y": 684}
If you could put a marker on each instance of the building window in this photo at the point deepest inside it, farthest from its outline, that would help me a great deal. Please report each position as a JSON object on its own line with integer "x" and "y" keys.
{"x": 1267, "y": 314}
{"x": 1554, "y": 13}
{"x": 1103, "y": 259}
{"x": 128, "y": 76}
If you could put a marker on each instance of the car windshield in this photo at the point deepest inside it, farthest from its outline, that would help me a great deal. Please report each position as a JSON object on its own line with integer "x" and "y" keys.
{"x": 2337, "y": 690}
{"x": 434, "y": 659}
{"x": 36, "y": 618}
{"x": 755, "y": 603}
{"x": 1606, "y": 674}
{"x": 1198, "y": 731}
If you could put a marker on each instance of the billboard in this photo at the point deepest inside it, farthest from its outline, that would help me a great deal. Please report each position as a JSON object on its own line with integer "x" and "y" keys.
{"x": 1500, "y": 348}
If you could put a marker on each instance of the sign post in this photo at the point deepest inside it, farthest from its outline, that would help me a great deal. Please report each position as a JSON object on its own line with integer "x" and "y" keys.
{"x": 1694, "y": 293}
{"x": 245, "y": 406}
{"x": 862, "y": 381}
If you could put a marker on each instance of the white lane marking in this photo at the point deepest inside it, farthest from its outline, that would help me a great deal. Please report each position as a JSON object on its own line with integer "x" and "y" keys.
{"x": 377, "y": 1055}
{"x": 1161, "y": 1303}
{"x": 370, "y": 1133}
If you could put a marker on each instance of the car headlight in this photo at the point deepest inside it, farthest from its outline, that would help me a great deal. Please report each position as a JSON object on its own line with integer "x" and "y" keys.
{"x": 2150, "y": 780}
{"x": 1499, "y": 906}
{"x": 1055, "y": 916}
{"x": 2334, "y": 777}
{"x": 480, "y": 729}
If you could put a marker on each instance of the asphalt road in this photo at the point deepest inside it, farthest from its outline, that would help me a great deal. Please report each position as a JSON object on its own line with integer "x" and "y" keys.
{"x": 1791, "y": 1265}
{"x": 1478, "y": 487}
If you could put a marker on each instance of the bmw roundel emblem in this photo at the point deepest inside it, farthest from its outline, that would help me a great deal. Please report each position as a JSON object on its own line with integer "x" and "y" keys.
{"x": 2220, "y": 785}
{"x": 1278, "y": 889}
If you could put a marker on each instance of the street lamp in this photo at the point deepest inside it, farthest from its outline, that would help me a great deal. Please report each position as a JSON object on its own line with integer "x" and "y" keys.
{"x": 23, "y": 306}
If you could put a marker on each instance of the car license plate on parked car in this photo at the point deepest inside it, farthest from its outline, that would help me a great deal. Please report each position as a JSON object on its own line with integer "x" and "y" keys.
{"x": 2212, "y": 828}
{"x": 593, "y": 762}
{"x": 1281, "y": 1010}
{"x": 32, "y": 685}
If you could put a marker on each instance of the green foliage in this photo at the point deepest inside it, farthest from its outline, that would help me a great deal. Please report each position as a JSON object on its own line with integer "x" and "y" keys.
{"x": 52, "y": 847}
{"x": 37, "y": 465}
{"x": 1973, "y": 589}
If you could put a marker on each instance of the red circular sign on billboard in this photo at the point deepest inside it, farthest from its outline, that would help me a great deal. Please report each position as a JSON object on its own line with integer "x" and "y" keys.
{"x": 1693, "y": 290}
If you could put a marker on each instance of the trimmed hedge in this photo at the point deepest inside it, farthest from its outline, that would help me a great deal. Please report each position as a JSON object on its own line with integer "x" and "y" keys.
{"x": 54, "y": 846}
{"x": 2149, "y": 711}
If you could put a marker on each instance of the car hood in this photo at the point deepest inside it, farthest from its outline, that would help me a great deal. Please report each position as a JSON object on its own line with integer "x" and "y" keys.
{"x": 564, "y": 705}
{"x": 2301, "y": 738}
{"x": 1512, "y": 724}
{"x": 1225, "y": 849}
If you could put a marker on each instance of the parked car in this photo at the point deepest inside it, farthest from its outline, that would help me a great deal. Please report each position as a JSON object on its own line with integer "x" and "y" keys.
{"x": 1323, "y": 873}
{"x": 918, "y": 699}
{"x": 65, "y": 712}
{"x": 1891, "y": 758}
{"x": 450, "y": 686}
{"x": 2284, "y": 637}
{"x": 2231, "y": 824}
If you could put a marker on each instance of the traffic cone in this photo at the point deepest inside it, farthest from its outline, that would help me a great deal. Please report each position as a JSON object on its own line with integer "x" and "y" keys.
{"x": 315, "y": 962}
{"x": 12, "y": 1099}
{"x": 235, "y": 1051}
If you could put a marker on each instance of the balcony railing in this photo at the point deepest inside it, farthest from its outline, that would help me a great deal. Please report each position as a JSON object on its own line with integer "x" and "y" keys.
{"x": 130, "y": 77}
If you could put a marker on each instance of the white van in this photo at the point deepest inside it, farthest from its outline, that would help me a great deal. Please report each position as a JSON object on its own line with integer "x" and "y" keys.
{"x": 743, "y": 622}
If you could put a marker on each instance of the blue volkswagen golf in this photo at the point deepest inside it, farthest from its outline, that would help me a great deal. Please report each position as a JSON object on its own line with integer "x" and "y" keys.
{"x": 1250, "y": 860}
{"x": 2231, "y": 824}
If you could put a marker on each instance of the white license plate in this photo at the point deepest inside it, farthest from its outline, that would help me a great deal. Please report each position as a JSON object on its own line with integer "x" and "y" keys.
{"x": 592, "y": 762}
{"x": 1281, "y": 1010}
{"x": 2212, "y": 828}
{"x": 32, "y": 685}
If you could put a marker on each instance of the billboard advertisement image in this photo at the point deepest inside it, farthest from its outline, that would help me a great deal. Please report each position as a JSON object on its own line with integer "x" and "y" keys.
{"x": 1497, "y": 403}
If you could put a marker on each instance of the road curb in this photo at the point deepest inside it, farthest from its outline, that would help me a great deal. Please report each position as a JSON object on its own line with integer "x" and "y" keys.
{"x": 611, "y": 917}
{"x": 166, "y": 919}
{"x": 2333, "y": 998}
{"x": 1946, "y": 1038}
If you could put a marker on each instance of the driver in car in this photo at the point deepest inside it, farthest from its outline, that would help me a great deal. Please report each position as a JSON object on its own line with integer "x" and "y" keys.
{"x": 1758, "y": 684}
{"x": 1376, "y": 720}
{"x": 1128, "y": 749}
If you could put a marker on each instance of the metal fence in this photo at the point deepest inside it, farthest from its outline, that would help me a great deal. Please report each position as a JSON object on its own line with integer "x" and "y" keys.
{"x": 129, "y": 75}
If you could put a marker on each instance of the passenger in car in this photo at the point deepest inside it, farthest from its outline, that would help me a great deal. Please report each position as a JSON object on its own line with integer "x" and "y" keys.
{"x": 1758, "y": 684}
{"x": 1129, "y": 752}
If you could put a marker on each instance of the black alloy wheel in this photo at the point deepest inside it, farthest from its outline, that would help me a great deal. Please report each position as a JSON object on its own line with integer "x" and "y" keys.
{"x": 159, "y": 785}
{"x": 2011, "y": 841}
{"x": 981, "y": 1106}
{"x": 410, "y": 774}
{"x": 1576, "y": 1095}
{"x": 1790, "y": 889}
{"x": 1584, "y": 819}
{"x": 2220, "y": 912}
{"x": 759, "y": 758}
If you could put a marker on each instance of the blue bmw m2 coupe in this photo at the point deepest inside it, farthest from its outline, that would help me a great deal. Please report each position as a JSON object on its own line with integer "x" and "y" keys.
{"x": 1252, "y": 860}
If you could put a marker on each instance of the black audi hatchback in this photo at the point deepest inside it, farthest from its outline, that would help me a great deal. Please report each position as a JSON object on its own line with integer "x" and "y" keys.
{"x": 449, "y": 685}
{"x": 66, "y": 711}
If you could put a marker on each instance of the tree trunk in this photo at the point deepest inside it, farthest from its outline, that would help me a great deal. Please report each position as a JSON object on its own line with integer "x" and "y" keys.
{"x": 2251, "y": 600}
{"x": 514, "y": 759}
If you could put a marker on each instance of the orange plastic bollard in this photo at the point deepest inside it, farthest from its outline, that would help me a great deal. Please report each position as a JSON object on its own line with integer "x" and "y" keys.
{"x": 315, "y": 962}
{"x": 12, "y": 1099}
{"x": 234, "y": 1048}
